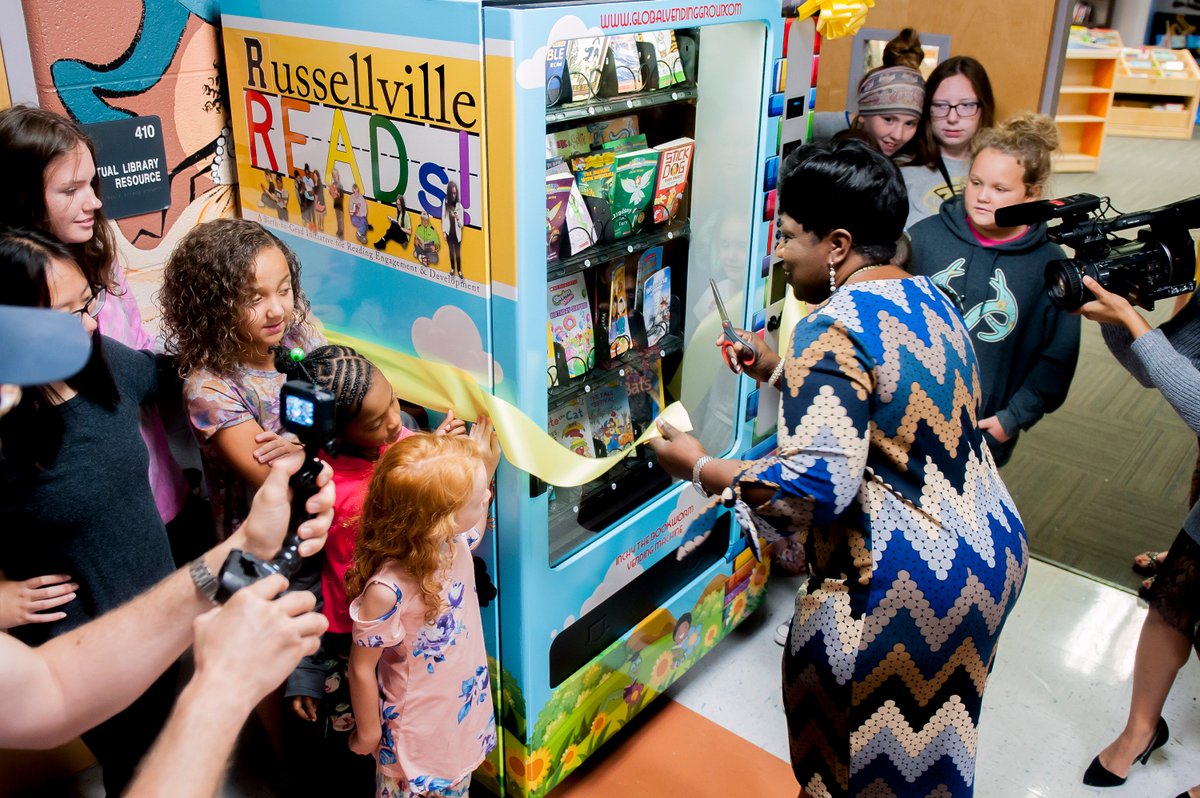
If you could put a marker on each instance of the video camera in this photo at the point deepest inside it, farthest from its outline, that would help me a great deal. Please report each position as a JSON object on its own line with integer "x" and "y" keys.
{"x": 1159, "y": 263}
{"x": 308, "y": 412}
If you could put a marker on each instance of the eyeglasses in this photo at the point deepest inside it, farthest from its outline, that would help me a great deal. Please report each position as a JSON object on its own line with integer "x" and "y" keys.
{"x": 965, "y": 110}
{"x": 94, "y": 304}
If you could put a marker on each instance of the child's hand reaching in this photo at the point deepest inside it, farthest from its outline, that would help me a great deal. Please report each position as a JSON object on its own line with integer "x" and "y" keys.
{"x": 31, "y": 600}
{"x": 451, "y": 426}
{"x": 485, "y": 438}
{"x": 305, "y": 707}
{"x": 273, "y": 446}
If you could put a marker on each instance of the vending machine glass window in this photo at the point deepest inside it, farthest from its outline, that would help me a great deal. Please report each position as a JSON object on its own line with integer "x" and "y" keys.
{"x": 645, "y": 142}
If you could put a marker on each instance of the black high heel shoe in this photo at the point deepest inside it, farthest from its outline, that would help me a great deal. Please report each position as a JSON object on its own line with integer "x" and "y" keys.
{"x": 1099, "y": 776}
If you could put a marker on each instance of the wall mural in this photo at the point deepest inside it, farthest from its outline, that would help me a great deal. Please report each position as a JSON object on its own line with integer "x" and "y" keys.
{"x": 119, "y": 59}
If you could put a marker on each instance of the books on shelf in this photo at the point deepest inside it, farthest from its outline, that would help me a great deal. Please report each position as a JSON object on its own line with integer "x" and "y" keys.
{"x": 666, "y": 54}
{"x": 581, "y": 233}
{"x": 645, "y": 390}
{"x": 619, "y": 339}
{"x": 633, "y": 189}
{"x": 656, "y": 305}
{"x": 585, "y": 60}
{"x": 649, "y": 262}
{"x": 559, "y": 184}
{"x": 626, "y": 64}
{"x": 568, "y": 423}
{"x": 675, "y": 163}
{"x": 594, "y": 173}
{"x": 612, "y": 129}
{"x": 571, "y": 322}
{"x": 566, "y": 143}
{"x": 608, "y": 413}
{"x": 556, "y": 62}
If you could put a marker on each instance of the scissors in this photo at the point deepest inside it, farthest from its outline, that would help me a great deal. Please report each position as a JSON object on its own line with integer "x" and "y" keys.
{"x": 748, "y": 356}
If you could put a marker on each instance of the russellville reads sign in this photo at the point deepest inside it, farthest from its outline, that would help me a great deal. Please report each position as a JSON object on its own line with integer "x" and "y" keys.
{"x": 131, "y": 161}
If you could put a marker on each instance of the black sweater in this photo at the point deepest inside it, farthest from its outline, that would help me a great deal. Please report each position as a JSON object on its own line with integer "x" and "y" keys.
{"x": 1026, "y": 347}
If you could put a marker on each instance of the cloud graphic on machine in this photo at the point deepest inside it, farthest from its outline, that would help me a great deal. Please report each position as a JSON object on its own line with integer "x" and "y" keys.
{"x": 531, "y": 73}
{"x": 451, "y": 337}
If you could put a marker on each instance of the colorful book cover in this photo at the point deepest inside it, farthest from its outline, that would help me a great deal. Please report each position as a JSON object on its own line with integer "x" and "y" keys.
{"x": 581, "y": 233}
{"x": 656, "y": 305}
{"x": 612, "y": 129}
{"x": 649, "y": 262}
{"x": 666, "y": 52}
{"x": 571, "y": 322}
{"x": 626, "y": 63}
{"x": 556, "y": 60}
{"x": 608, "y": 412}
{"x": 585, "y": 59}
{"x": 559, "y": 182}
{"x": 551, "y": 361}
{"x": 568, "y": 143}
{"x": 633, "y": 188}
{"x": 619, "y": 339}
{"x": 594, "y": 173}
{"x": 569, "y": 425}
{"x": 645, "y": 390}
{"x": 634, "y": 142}
{"x": 673, "y": 169}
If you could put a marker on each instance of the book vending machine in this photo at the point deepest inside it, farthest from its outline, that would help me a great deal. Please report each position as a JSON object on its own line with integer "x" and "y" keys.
{"x": 529, "y": 202}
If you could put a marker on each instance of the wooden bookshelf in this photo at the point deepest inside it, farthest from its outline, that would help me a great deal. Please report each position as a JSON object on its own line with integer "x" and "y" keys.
{"x": 1085, "y": 98}
{"x": 1155, "y": 93}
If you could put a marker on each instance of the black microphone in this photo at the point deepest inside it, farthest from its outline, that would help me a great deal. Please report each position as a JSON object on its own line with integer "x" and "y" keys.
{"x": 1024, "y": 213}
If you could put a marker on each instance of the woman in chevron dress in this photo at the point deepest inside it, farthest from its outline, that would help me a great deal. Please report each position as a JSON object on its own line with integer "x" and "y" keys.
{"x": 915, "y": 550}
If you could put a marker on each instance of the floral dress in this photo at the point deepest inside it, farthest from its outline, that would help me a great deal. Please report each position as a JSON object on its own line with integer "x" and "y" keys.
{"x": 434, "y": 690}
{"x": 915, "y": 549}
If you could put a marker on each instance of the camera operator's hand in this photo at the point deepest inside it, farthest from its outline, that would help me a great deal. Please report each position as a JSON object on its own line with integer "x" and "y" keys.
{"x": 485, "y": 438}
{"x": 272, "y": 446}
{"x": 1110, "y": 308}
{"x": 264, "y": 528}
{"x": 252, "y": 643}
{"x": 451, "y": 426}
{"x": 991, "y": 425}
{"x": 31, "y": 600}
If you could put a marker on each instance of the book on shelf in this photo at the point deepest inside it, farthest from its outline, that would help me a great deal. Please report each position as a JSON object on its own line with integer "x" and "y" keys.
{"x": 619, "y": 339}
{"x": 559, "y": 183}
{"x": 585, "y": 60}
{"x": 627, "y": 65}
{"x": 635, "y": 142}
{"x": 608, "y": 413}
{"x": 551, "y": 361}
{"x": 581, "y": 233}
{"x": 649, "y": 262}
{"x": 556, "y": 67}
{"x": 568, "y": 423}
{"x": 645, "y": 390}
{"x": 669, "y": 65}
{"x": 656, "y": 305}
{"x": 674, "y": 166}
{"x": 633, "y": 188}
{"x": 570, "y": 316}
{"x": 612, "y": 129}
{"x": 594, "y": 173}
{"x": 567, "y": 143}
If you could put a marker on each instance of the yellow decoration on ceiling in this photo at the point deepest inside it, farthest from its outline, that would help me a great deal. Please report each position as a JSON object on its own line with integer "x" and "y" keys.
{"x": 836, "y": 18}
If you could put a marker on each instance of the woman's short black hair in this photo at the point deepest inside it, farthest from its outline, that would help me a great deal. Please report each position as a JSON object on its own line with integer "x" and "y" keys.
{"x": 845, "y": 184}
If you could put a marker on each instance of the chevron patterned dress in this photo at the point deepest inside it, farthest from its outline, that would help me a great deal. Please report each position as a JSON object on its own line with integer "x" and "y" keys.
{"x": 916, "y": 551}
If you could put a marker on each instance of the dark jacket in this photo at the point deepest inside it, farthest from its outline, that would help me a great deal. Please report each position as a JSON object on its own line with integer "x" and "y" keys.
{"x": 1026, "y": 347}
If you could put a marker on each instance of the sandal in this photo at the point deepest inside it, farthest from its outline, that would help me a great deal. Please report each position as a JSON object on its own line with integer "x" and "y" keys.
{"x": 1151, "y": 563}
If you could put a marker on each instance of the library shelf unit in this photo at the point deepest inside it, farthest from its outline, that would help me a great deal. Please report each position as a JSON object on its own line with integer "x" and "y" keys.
{"x": 1084, "y": 100}
{"x": 1156, "y": 91}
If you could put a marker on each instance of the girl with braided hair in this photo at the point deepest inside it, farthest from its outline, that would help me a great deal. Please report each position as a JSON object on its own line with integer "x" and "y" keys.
{"x": 367, "y": 421}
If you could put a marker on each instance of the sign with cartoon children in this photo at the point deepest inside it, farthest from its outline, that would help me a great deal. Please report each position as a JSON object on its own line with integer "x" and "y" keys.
{"x": 362, "y": 141}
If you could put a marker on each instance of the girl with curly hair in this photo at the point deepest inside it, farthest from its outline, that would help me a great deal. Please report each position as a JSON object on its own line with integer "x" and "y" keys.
{"x": 418, "y": 670}
{"x": 230, "y": 295}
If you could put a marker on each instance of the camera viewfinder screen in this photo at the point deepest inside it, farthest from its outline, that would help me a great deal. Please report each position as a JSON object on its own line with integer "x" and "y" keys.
{"x": 299, "y": 411}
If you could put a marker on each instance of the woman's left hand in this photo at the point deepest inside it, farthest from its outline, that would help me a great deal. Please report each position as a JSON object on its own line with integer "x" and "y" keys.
{"x": 677, "y": 452}
{"x": 1110, "y": 308}
{"x": 991, "y": 425}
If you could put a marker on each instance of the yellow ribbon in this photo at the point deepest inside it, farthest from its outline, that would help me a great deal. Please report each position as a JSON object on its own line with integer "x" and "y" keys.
{"x": 836, "y": 18}
{"x": 526, "y": 445}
